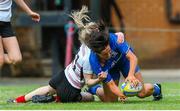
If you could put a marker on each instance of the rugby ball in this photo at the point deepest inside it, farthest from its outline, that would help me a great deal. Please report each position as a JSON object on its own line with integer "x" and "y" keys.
{"x": 130, "y": 90}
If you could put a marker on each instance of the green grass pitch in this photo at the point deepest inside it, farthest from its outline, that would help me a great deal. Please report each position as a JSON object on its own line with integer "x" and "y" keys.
{"x": 171, "y": 100}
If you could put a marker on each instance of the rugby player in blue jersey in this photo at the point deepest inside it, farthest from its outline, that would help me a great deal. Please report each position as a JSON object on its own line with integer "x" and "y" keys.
{"x": 112, "y": 57}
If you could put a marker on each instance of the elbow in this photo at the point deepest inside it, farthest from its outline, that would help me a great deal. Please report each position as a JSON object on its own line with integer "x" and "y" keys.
{"x": 134, "y": 58}
{"x": 88, "y": 83}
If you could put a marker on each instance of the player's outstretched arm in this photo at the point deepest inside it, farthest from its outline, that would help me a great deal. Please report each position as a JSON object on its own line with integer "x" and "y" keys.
{"x": 133, "y": 63}
{"x": 114, "y": 89}
{"x": 35, "y": 16}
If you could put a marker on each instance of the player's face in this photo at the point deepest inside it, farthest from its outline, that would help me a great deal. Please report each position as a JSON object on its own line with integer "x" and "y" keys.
{"x": 106, "y": 53}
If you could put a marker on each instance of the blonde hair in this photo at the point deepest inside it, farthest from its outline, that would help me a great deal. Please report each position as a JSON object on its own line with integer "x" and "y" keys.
{"x": 82, "y": 20}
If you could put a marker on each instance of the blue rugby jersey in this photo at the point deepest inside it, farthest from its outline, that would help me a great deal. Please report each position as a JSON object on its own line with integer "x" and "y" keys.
{"x": 118, "y": 53}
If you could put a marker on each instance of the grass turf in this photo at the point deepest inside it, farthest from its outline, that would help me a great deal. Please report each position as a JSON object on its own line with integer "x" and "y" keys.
{"x": 171, "y": 100}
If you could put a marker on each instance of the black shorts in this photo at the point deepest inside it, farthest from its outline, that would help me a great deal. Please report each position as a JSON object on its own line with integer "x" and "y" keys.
{"x": 6, "y": 29}
{"x": 64, "y": 89}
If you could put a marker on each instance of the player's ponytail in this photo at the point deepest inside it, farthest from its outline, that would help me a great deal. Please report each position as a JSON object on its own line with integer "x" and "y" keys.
{"x": 84, "y": 23}
{"x": 80, "y": 16}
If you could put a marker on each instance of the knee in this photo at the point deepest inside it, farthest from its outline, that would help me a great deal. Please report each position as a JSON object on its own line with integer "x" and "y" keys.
{"x": 15, "y": 59}
{"x": 90, "y": 98}
{"x": 149, "y": 88}
{"x": 51, "y": 90}
{"x": 146, "y": 91}
{"x": 142, "y": 94}
{"x": 87, "y": 97}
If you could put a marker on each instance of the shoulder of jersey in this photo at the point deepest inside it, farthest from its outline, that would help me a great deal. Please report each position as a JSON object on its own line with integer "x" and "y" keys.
{"x": 120, "y": 37}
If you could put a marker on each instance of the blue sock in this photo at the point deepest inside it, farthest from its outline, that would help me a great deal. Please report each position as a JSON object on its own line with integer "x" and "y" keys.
{"x": 93, "y": 89}
{"x": 156, "y": 90}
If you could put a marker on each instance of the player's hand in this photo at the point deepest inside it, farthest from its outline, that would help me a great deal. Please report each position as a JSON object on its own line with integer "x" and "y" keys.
{"x": 133, "y": 80}
{"x": 123, "y": 98}
{"x": 35, "y": 16}
{"x": 102, "y": 76}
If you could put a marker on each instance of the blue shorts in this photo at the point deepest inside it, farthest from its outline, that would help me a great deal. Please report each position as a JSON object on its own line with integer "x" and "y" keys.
{"x": 123, "y": 67}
